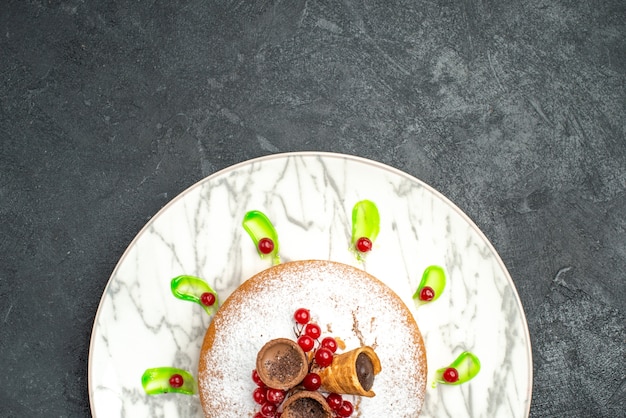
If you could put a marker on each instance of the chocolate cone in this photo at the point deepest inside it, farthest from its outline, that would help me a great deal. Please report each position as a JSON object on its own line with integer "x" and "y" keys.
{"x": 306, "y": 404}
{"x": 281, "y": 364}
{"x": 350, "y": 375}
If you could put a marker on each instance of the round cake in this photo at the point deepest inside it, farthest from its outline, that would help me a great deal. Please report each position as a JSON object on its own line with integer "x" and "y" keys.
{"x": 346, "y": 302}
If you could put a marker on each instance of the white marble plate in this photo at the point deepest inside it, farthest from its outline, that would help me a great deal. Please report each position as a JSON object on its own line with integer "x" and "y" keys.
{"x": 309, "y": 198}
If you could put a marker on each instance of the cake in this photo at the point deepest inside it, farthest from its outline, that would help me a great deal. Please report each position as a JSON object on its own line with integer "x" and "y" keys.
{"x": 346, "y": 302}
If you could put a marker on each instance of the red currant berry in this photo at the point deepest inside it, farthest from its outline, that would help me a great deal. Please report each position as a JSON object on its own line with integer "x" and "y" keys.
{"x": 268, "y": 410}
{"x": 334, "y": 401}
{"x": 323, "y": 357}
{"x": 450, "y": 375}
{"x": 427, "y": 294}
{"x": 207, "y": 299}
{"x": 259, "y": 395}
{"x": 275, "y": 396}
{"x": 306, "y": 343}
{"x": 330, "y": 343}
{"x": 364, "y": 244}
{"x": 312, "y": 382}
{"x": 266, "y": 245}
{"x": 302, "y": 316}
{"x": 258, "y": 415}
{"x": 257, "y": 379}
{"x": 346, "y": 409}
{"x": 176, "y": 381}
{"x": 313, "y": 330}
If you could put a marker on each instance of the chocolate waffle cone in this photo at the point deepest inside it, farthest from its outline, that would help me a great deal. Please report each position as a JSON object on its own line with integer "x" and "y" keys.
{"x": 347, "y": 376}
{"x": 281, "y": 364}
{"x": 306, "y": 403}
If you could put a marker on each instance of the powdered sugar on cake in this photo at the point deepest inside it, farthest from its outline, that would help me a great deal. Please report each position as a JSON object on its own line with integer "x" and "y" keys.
{"x": 346, "y": 303}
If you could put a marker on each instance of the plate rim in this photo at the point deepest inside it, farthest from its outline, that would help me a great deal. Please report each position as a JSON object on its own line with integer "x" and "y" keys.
{"x": 321, "y": 155}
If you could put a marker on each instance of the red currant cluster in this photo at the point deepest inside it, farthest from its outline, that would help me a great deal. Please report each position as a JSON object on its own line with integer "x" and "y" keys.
{"x": 322, "y": 352}
{"x": 308, "y": 334}
{"x": 267, "y": 397}
{"x": 270, "y": 399}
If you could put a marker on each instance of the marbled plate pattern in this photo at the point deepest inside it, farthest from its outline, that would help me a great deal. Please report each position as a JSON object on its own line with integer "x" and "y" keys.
{"x": 309, "y": 198}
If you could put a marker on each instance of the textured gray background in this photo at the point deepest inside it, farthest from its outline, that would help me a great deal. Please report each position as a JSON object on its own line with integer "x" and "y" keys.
{"x": 515, "y": 110}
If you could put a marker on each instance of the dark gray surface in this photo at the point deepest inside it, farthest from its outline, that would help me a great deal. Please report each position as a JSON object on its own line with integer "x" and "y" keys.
{"x": 515, "y": 110}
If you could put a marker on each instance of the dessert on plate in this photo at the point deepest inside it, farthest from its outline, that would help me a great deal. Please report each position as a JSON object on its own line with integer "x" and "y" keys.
{"x": 363, "y": 316}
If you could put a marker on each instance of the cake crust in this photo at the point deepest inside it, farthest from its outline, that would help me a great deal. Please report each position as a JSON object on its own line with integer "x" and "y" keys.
{"x": 346, "y": 302}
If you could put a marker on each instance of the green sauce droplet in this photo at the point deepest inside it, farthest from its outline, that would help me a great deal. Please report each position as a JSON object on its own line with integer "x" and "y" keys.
{"x": 191, "y": 288}
{"x": 365, "y": 223}
{"x": 466, "y": 364}
{"x": 433, "y": 277}
{"x": 157, "y": 380}
{"x": 258, "y": 226}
